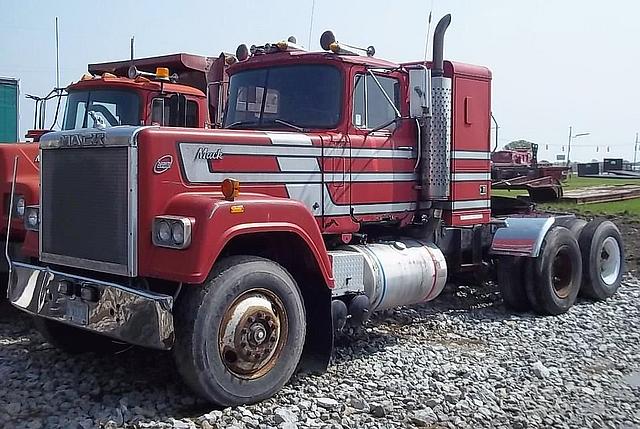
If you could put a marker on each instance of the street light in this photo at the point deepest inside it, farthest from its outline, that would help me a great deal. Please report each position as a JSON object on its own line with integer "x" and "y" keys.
{"x": 571, "y": 137}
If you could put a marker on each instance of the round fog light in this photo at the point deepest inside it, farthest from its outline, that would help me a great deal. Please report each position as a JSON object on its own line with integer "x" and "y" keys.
{"x": 177, "y": 233}
{"x": 164, "y": 231}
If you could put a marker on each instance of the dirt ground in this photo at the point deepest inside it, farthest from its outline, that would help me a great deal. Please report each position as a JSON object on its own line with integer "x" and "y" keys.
{"x": 630, "y": 229}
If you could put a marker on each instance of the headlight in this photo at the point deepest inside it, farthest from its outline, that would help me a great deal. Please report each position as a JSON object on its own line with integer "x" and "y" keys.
{"x": 19, "y": 206}
{"x": 172, "y": 231}
{"x": 32, "y": 218}
{"x": 177, "y": 232}
{"x": 164, "y": 231}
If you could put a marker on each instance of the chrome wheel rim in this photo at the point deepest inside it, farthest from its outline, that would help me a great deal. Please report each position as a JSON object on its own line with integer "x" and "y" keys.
{"x": 252, "y": 333}
{"x": 610, "y": 260}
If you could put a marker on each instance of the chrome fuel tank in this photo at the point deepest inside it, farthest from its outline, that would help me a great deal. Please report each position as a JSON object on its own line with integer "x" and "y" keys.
{"x": 400, "y": 273}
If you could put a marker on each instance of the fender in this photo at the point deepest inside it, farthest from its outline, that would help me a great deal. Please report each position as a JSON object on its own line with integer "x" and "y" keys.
{"x": 215, "y": 224}
{"x": 522, "y": 236}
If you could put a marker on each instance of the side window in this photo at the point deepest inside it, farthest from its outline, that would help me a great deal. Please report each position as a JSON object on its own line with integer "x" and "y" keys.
{"x": 370, "y": 106}
{"x": 191, "y": 119}
{"x": 175, "y": 111}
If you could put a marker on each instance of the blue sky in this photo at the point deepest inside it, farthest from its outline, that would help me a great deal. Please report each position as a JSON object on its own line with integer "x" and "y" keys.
{"x": 555, "y": 64}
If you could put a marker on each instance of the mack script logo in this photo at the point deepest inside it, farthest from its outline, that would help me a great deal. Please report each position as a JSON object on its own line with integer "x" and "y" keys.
{"x": 163, "y": 164}
{"x": 208, "y": 154}
{"x": 92, "y": 139}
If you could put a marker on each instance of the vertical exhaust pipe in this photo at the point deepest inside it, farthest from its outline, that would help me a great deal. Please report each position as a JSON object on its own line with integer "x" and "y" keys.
{"x": 437, "y": 68}
{"x": 436, "y": 132}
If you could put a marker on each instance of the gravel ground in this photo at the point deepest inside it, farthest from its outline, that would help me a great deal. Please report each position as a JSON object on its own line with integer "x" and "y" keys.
{"x": 462, "y": 361}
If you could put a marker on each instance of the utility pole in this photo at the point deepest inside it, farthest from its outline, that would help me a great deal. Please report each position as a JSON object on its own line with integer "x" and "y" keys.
{"x": 571, "y": 137}
{"x": 635, "y": 152}
{"x": 569, "y": 146}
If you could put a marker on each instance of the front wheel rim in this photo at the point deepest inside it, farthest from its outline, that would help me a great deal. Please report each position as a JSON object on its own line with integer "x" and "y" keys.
{"x": 252, "y": 333}
{"x": 610, "y": 260}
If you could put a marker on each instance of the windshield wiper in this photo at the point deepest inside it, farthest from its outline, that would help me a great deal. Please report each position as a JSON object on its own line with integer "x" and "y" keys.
{"x": 258, "y": 125}
{"x": 241, "y": 123}
{"x": 290, "y": 125}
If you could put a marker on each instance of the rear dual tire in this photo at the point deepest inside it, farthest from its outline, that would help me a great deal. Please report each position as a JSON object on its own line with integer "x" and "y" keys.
{"x": 602, "y": 259}
{"x": 592, "y": 265}
{"x": 553, "y": 278}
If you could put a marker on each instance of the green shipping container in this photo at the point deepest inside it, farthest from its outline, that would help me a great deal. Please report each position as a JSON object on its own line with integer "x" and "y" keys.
{"x": 9, "y": 96}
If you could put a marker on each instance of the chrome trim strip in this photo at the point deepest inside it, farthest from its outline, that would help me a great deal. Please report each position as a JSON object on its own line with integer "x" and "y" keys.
{"x": 467, "y": 177}
{"x": 9, "y": 218}
{"x": 467, "y": 154}
{"x": 117, "y": 311}
{"x": 88, "y": 138}
{"x": 71, "y": 261}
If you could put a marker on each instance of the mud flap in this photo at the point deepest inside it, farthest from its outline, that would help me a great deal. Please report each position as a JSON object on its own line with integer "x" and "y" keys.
{"x": 318, "y": 347}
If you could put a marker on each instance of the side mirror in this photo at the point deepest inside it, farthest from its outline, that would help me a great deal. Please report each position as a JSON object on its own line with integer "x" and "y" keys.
{"x": 157, "y": 111}
{"x": 419, "y": 92}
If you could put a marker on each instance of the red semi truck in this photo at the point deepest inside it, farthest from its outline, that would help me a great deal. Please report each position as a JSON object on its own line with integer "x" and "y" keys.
{"x": 114, "y": 94}
{"x": 338, "y": 185}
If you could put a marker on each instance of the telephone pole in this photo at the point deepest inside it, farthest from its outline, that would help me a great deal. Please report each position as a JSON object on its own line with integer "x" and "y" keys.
{"x": 635, "y": 152}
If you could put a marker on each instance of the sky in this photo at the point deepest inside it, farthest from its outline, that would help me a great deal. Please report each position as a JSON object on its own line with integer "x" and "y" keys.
{"x": 555, "y": 64}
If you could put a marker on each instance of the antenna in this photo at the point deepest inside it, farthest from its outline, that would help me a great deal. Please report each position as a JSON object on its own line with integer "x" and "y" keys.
{"x": 57, "y": 56}
{"x": 313, "y": 7}
{"x": 426, "y": 43}
{"x": 133, "y": 38}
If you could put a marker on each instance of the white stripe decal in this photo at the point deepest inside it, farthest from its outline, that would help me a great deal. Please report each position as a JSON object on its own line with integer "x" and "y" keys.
{"x": 472, "y": 204}
{"x": 289, "y": 139}
{"x": 465, "y": 154}
{"x": 465, "y": 177}
{"x": 472, "y": 216}
{"x": 300, "y": 173}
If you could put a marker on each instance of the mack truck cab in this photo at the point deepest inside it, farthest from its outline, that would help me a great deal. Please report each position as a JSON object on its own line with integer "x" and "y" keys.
{"x": 178, "y": 90}
{"x": 339, "y": 184}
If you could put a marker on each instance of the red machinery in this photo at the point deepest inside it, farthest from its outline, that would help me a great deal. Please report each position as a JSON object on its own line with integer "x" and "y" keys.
{"x": 519, "y": 170}
{"x": 339, "y": 185}
{"x": 115, "y": 99}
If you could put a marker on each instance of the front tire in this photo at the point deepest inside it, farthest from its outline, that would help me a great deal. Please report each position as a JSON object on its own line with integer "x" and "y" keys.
{"x": 240, "y": 335}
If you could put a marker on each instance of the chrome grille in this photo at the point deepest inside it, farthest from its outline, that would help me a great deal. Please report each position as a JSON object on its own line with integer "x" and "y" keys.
{"x": 87, "y": 207}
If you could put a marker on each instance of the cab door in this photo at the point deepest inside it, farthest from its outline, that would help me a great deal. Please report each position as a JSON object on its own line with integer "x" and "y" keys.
{"x": 382, "y": 147}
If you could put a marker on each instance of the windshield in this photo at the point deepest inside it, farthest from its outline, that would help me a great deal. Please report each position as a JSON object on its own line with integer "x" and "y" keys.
{"x": 304, "y": 96}
{"x": 104, "y": 107}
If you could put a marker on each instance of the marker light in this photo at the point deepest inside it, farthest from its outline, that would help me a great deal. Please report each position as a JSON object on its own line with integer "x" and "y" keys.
{"x": 334, "y": 47}
{"x": 87, "y": 76}
{"x": 162, "y": 73}
{"x": 230, "y": 189}
{"x": 282, "y": 45}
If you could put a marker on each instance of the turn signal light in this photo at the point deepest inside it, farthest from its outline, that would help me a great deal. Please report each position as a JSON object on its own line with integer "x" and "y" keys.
{"x": 230, "y": 189}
